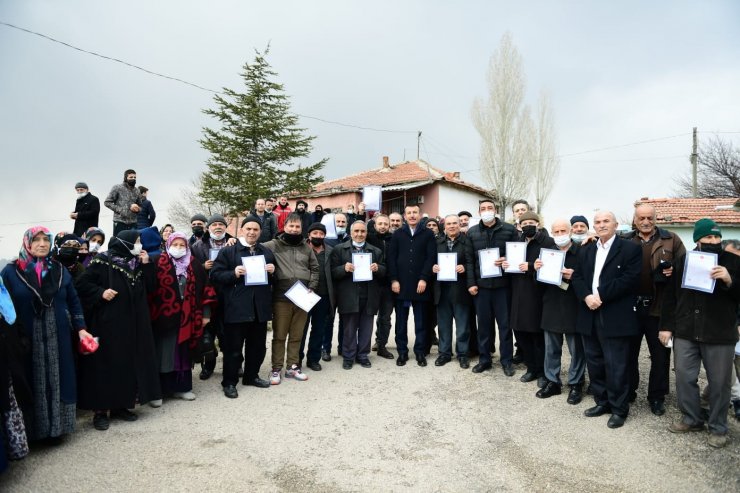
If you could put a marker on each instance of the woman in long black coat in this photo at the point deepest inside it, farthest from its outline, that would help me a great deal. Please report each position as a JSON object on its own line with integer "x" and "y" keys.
{"x": 114, "y": 288}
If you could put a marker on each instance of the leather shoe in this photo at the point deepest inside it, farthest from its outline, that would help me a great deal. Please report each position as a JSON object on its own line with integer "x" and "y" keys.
{"x": 384, "y": 353}
{"x": 402, "y": 359}
{"x": 325, "y": 356}
{"x": 509, "y": 370}
{"x": 365, "y": 363}
{"x": 442, "y": 360}
{"x": 101, "y": 422}
{"x": 258, "y": 382}
{"x": 314, "y": 365}
{"x": 657, "y": 407}
{"x": 575, "y": 395}
{"x": 464, "y": 362}
{"x": 550, "y": 389}
{"x": 347, "y": 364}
{"x": 615, "y": 421}
{"x": 123, "y": 415}
{"x": 528, "y": 377}
{"x": 205, "y": 373}
{"x": 421, "y": 361}
{"x": 541, "y": 381}
{"x": 481, "y": 367}
{"x": 230, "y": 392}
{"x": 595, "y": 411}
{"x": 518, "y": 359}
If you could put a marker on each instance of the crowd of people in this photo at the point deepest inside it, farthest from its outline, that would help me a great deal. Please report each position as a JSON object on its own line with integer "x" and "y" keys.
{"x": 106, "y": 328}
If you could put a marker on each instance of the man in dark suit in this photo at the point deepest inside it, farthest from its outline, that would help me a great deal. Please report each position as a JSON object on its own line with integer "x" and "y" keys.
{"x": 411, "y": 255}
{"x": 87, "y": 209}
{"x": 606, "y": 280}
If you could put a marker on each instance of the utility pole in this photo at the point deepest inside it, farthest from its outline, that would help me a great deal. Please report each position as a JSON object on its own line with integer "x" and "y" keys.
{"x": 694, "y": 158}
{"x": 418, "y": 144}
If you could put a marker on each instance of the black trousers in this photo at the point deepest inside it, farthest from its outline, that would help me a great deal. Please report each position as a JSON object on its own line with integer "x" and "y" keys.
{"x": 252, "y": 336}
{"x": 533, "y": 344}
{"x": 607, "y": 359}
{"x": 660, "y": 357}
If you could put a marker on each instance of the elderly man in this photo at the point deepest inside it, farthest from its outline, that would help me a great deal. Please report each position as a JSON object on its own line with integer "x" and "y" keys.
{"x": 465, "y": 217}
{"x": 605, "y": 281}
{"x": 124, "y": 200}
{"x": 492, "y": 293}
{"x": 452, "y": 298}
{"x": 87, "y": 210}
{"x": 357, "y": 300}
{"x": 411, "y": 256}
{"x": 578, "y": 229}
{"x": 396, "y": 221}
{"x": 340, "y": 223}
{"x": 659, "y": 248}
{"x": 295, "y": 261}
{"x": 559, "y": 309}
{"x": 267, "y": 219}
{"x": 381, "y": 238}
{"x": 246, "y": 308}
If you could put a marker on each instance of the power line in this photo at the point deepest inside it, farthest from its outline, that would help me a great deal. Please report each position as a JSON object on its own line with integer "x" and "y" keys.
{"x": 183, "y": 81}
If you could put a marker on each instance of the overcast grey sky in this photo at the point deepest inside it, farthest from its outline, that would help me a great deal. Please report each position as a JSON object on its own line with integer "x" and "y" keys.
{"x": 617, "y": 73}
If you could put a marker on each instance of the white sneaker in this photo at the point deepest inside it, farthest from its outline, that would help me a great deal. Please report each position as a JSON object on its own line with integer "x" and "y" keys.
{"x": 295, "y": 372}
{"x": 156, "y": 403}
{"x": 275, "y": 376}
{"x": 186, "y": 396}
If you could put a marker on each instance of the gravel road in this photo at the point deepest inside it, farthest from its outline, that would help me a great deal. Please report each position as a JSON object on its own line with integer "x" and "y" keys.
{"x": 381, "y": 429}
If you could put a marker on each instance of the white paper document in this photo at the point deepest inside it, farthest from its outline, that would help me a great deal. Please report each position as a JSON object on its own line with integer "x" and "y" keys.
{"x": 302, "y": 297}
{"x": 372, "y": 197}
{"x": 447, "y": 263}
{"x": 486, "y": 260}
{"x": 516, "y": 253}
{"x": 552, "y": 266}
{"x": 213, "y": 253}
{"x": 256, "y": 273}
{"x": 331, "y": 227}
{"x": 697, "y": 271}
{"x": 362, "y": 271}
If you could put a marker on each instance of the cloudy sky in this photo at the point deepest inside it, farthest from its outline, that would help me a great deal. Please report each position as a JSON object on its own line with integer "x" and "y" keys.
{"x": 617, "y": 72}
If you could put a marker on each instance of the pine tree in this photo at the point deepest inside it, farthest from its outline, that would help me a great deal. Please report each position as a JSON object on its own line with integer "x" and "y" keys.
{"x": 256, "y": 151}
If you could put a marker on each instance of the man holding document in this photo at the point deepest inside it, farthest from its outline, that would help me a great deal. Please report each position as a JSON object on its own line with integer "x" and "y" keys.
{"x": 356, "y": 268}
{"x": 296, "y": 279}
{"x": 699, "y": 316}
{"x": 455, "y": 269}
{"x": 242, "y": 273}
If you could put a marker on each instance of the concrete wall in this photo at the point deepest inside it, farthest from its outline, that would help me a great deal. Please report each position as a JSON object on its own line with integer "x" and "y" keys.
{"x": 686, "y": 233}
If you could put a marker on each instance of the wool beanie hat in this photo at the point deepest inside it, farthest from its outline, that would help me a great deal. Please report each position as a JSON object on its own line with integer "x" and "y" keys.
{"x": 705, "y": 227}
{"x": 317, "y": 226}
{"x": 529, "y": 216}
{"x": 579, "y": 219}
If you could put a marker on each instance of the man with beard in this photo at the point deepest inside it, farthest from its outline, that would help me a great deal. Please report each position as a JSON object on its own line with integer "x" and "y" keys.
{"x": 380, "y": 237}
{"x": 340, "y": 223}
{"x": 268, "y": 223}
{"x": 464, "y": 221}
{"x": 124, "y": 200}
{"x": 306, "y": 221}
{"x": 318, "y": 213}
{"x": 396, "y": 221}
{"x": 198, "y": 226}
{"x": 87, "y": 210}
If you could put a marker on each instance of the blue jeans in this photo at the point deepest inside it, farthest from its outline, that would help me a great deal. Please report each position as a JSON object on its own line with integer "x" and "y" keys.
{"x": 318, "y": 317}
{"x": 554, "y": 351}
{"x": 446, "y": 310}
{"x": 490, "y": 304}
{"x": 402, "y": 337}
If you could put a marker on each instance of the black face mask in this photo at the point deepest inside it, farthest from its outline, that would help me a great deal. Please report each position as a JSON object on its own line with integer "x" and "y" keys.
{"x": 131, "y": 183}
{"x": 529, "y": 231}
{"x": 198, "y": 231}
{"x": 293, "y": 239}
{"x": 317, "y": 241}
{"x": 67, "y": 256}
{"x": 319, "y": 212}
{"x": 710, "y": 247}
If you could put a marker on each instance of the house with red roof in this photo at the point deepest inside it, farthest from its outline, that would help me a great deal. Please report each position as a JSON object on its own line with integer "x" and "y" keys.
{"x": 679, "y": 215}
{"x": 436, "y": 191}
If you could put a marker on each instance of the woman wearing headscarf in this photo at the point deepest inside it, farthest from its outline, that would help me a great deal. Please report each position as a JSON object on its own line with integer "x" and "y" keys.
{"x": 179, "y": 309}
{"x": 124, "y": 367}
{"x": 49, "y": 311}
{"x": 67, "y": 253}
{"x": 95, "y": 239}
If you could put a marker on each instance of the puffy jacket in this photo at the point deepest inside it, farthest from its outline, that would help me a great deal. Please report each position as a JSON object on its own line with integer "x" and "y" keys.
{"x": 120, "y": 199}
{"x": 293, "y": 263}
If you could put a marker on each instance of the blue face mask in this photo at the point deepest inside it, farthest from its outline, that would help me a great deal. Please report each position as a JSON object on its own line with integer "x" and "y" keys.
{"x": 341, "y": 231}
{"x": 358, "y": 245}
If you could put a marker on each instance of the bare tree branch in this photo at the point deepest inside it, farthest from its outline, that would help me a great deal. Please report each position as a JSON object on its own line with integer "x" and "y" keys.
{"x": 718, "y": 171}
{"x": 546, "y": 161}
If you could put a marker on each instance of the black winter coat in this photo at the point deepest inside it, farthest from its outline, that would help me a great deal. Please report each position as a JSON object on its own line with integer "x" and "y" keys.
{"x": 483, "y": 237}
{"x": 347, "y": 292}
{"x": 242, "y": 303}
{"x": 201, "y": 248}
{"x": 457, "y": 291}
{"x": 560, "y": 306}
{"x": 526, "y": 291}
{"x": 410, "y": 259}
{"x": 618, "y": 284}
{"x": 88, "y": 212}
{"x": 699, "y": 316}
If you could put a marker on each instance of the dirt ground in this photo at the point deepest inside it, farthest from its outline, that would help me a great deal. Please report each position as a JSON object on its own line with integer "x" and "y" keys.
{"x": 382, "y": 429}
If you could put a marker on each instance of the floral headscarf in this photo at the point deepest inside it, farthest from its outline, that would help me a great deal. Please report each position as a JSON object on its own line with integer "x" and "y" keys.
{"x": 182, "y": 263}
{"x": 26, "y": 261}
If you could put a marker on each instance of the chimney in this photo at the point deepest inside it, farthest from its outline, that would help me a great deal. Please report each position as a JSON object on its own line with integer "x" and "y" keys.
{"x": 456, "y": 174}
{"x": 386, "y": 163}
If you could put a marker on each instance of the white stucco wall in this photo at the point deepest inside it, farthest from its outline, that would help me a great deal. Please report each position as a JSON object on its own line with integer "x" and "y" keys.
{"x": 453, "y": 200}
{"x": 686, "y": 233}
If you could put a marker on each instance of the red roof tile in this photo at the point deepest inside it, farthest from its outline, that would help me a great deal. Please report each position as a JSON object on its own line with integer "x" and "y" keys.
{"x": 676, "y": 211}
{"x": 410, "y": 171}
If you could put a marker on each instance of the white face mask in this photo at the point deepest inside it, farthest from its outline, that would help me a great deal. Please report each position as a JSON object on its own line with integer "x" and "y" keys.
{"x": 136, "y": 250}
{"x": 218, "y": 237}
{"x": 487, "y": 216}
{"x": 578, "y": 238}
{"x": 177, "y": 252}
{"x": 358, "y": 245}
{"x": 341, "y": 231}
{"x": 81, "y": 194}
{"x": 94, "y": 247}
{"x": 243, "y": 241}
{"x": 561, "y": 240}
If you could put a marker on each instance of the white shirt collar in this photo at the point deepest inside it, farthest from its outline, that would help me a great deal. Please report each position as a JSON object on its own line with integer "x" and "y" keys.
{"x": 607, "y": 245}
